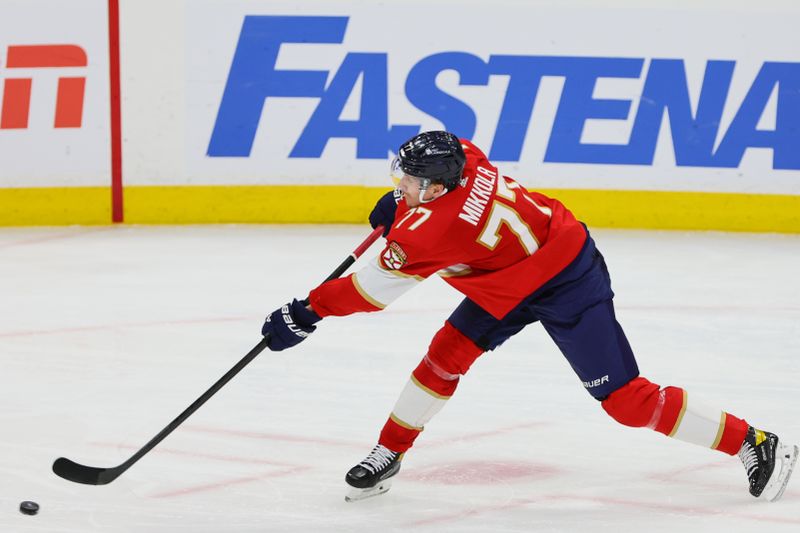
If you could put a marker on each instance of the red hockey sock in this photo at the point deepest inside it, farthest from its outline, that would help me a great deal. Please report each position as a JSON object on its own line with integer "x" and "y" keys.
{"x": 731, "y": 435}
{"x": 641, "y": 403}
{"x": 399, "y": 436}
{"x": 396, "y": 436}
{"x": 432, "y": 383}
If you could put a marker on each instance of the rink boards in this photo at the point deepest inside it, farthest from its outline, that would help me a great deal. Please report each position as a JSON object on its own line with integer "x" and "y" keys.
{"x": 664, "y": 116}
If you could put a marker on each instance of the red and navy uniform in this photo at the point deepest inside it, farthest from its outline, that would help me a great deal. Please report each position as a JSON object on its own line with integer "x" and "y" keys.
{"x": 519, "y": 257}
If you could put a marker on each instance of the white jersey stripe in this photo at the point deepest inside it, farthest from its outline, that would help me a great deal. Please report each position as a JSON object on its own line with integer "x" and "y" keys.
{"x": 366, "y": 296}
{"x": 379, "y": 286}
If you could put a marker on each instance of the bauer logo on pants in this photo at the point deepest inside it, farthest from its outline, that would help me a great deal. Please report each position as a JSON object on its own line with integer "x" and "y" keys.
{"x": 596, "y": 383}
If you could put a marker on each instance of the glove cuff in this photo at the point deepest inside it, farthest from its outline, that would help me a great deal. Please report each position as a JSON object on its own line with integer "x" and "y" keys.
{"x": 302, "y": 315}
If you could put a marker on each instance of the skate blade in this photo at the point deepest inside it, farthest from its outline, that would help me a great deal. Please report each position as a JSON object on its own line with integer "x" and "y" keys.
{"x": 361, "y": 494}
{"x": 774, "y": 489}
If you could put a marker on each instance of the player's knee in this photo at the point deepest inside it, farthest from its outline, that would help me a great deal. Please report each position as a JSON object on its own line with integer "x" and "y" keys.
{"x": 451, "y": 351}
{"x": 634, "y": 404}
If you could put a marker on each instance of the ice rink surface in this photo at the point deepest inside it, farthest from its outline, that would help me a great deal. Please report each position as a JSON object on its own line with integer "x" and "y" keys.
{"x": 107, "y": 333}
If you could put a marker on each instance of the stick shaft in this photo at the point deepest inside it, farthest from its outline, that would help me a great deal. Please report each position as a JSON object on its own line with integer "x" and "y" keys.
{"x": 102, "y": 476}
{"x": 257, "y": 349}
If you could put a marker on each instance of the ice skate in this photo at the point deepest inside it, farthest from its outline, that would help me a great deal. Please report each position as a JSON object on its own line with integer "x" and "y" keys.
{"x": 768, "y": 462}
{"x": 372, "y": 476}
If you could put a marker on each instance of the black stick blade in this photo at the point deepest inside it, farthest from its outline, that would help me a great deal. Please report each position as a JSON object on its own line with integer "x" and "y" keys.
{"x": 88, "y": 475}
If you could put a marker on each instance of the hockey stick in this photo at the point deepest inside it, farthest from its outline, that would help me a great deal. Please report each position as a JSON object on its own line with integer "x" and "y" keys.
{"x": 90, "y": 475}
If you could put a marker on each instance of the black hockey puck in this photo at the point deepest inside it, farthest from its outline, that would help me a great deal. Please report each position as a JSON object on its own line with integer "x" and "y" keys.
{"x": 30, "y": 508}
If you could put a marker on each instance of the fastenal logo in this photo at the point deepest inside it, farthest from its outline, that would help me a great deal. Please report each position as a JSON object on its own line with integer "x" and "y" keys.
{"x": 17, "y": 89}
{"x": 700, "y": 136}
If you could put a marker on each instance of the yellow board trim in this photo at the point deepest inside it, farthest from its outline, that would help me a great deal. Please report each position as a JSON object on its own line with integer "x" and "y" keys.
{"x": 683, "y": 210}
{"x": 680, "y": 415}
{"x": 352, "y": 204}
{"x": 720, "y": 431}
{"x": 259, "y": 204}
{"x": 55, "y": 206}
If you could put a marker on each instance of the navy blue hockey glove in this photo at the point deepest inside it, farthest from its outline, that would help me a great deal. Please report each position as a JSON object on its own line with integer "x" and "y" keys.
{"x": 289, "y": 325}
{"x": 383, "y": 212}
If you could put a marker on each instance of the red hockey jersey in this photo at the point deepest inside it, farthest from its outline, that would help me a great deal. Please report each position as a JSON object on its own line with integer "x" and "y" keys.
{"x": 489, "y": 238}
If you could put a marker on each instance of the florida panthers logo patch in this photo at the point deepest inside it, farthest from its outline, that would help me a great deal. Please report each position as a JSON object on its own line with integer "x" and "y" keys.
{"x": 394, "y": 257}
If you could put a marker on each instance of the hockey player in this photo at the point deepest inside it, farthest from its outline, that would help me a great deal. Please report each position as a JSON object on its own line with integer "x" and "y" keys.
{"x": 519, "y": 257}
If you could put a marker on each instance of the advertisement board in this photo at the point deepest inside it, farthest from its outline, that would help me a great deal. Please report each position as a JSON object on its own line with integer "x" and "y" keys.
{"x": 562, "y": 96}
{"x": 665, "y": 114}
{"x": 54, "y": 104}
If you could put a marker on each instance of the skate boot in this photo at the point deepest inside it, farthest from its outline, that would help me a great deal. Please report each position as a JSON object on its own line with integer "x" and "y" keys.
{"x": 768, "y": 463}
{"x": 372, "y": 476}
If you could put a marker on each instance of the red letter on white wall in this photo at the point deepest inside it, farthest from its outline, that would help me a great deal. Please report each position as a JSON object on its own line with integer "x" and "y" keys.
{"x": 17, "y": 91}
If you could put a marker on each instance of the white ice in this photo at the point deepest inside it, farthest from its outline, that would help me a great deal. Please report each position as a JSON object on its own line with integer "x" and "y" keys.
{"x": 108, "y": 333}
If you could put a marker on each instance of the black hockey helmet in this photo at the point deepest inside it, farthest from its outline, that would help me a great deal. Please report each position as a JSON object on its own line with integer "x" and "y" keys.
{"x": 434, "y": 157}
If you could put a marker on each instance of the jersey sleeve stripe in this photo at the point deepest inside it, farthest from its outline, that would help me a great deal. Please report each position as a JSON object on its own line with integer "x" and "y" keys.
{"x": 455, "y": 270}
{"x": 379, "y": 286}
{"x": 366, "y": 296}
